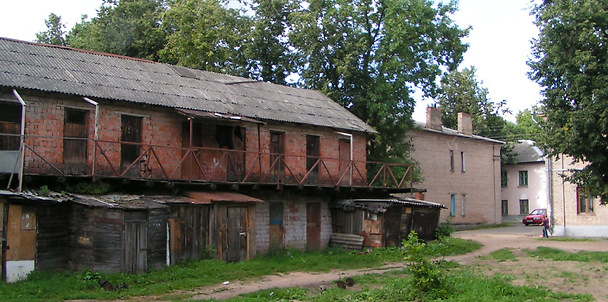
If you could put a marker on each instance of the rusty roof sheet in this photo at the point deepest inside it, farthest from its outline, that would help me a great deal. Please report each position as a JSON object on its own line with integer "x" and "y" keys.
{"x": 222, "y": 197}
{"x": 131, "y": 202}
{"x": 105, "y": 76}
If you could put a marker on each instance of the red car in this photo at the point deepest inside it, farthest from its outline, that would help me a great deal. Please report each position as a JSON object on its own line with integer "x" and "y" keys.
{"x": 535, "y": 217}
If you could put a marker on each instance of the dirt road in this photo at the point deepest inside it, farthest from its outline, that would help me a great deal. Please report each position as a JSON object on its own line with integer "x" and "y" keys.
{"x": 564, "y": 276}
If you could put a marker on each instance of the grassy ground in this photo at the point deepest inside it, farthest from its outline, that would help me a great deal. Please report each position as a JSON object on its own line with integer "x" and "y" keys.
{"x": 458, "y": 283}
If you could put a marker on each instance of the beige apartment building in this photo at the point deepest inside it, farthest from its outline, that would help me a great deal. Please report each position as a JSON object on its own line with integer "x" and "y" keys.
{"x": 459, "y": 170}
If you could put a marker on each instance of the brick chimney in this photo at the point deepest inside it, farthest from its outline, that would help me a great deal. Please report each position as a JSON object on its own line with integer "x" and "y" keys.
{"x": 433, "y": 118}
{"x": 465, "y": 123}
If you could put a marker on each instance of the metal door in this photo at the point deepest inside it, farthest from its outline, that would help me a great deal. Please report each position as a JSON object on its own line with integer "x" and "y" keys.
{"x": 236, "y": 241}
{"x": 74, "y": 142}
{"x": 276, "y": 224}
{"x": 313, "y": 226}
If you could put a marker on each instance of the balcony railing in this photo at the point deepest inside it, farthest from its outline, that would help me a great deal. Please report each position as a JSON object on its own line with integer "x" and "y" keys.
{"x": 47, "y": 155}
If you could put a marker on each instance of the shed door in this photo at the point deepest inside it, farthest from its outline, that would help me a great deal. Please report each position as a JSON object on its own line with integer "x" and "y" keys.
{"x": 189, "y": 232}
{"x": 313, "y": 225}
{"x": 131, "y": 128}
{"x": 74, "y": 142}
{"x": 20, "y": 241}
{"x": 236, "y": 241}
{"x": 276, "y": 224}
{"x": 135, "y": 243}
{"x": 392, "y": 226}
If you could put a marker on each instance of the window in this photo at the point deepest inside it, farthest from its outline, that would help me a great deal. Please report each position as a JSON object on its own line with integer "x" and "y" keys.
{"x": 463, "y": 208}
{"x": 524, "y": 207}
{"x": 504, "y": 179}
{"x": 585, "y": 202}
{"x": 10, "y": 126}
{"x": 523, "y": 178}
{"x": 504, "y": 208}
{"x": 452, "y": 160}
{"x": 462, "y": 162}
{"x": 453, "y": 205}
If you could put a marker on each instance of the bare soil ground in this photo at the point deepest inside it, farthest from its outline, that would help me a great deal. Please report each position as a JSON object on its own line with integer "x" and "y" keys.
{"x": 562, "y": 276}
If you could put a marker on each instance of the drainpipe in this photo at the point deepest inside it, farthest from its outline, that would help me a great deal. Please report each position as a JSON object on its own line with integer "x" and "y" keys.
{"x": 95, "y": 133}
{"x": 350, "y": 136}
{"x": 22, "y": 139}
{"x": 549, "y": 164}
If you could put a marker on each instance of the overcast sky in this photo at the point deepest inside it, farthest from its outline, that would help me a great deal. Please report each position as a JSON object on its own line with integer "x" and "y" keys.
{"x": 499, "y": 41}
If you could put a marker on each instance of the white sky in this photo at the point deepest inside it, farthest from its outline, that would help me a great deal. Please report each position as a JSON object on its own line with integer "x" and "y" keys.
{"x": 499, "y": 41}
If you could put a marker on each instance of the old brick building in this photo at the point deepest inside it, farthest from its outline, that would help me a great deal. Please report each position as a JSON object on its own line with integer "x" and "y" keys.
{"x": 259, "y": 163}
{"x": 459, "y": 170}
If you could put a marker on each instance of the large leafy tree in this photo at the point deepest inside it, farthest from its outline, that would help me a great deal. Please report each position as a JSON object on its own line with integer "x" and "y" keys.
{"x": 204, "y": 34}
{"x": 126, "y": 27}
{"x": 571, "y": 64}
{"x": 55, "y": 33}
{"x": 460, "y": 91}
{"x": 370, "y": 55}
{"x": 268, "y": 52}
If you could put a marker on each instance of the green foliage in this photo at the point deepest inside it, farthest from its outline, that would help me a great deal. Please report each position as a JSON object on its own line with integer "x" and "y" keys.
{"x": 426, "y": 275}
{"x": 503, "y": 255}
{"x": 55, "y": 33}
{"x": 124, "y": 27}
{"x": 95, "y": 188}
{"x": 570, "y": 62}
{"x": 45, "y": 191}
{"x": 444, "y": 229}
{"x": 460, "y": 91}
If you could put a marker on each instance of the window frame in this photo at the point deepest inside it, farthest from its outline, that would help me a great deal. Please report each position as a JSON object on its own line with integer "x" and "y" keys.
{"x": 452, "y": 160}
{"x": 462, "y": 162}
{"x": 523, "y": 183}
{"x": 583, "y": 198}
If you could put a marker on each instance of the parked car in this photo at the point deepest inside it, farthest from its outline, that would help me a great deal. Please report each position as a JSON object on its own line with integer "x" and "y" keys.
{"x": 535, "y": 217}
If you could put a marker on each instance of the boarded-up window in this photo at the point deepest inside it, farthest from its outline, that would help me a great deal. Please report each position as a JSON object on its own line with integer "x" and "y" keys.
{"x": 10, "y": 126}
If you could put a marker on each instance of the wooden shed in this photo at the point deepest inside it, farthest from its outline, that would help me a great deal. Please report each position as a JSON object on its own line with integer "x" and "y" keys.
{"x": 385, "y": 221}
{"x": 232, "y": 224}
{"x": 118, "y": 233}
{"x": 34, "y": 233}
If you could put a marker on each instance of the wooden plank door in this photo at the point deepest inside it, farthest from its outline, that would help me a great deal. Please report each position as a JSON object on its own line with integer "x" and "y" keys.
{"x": 236, "y": 239}
{"x": 188, "y": 232}
{"x": 236, "y": 160}
{"x": 344, "y": 155}
{"x": 312, "y": 156}
{"x": 190, "y": 168}
{"x": 313, "y": 226}
{"x": 20, "y": 242}
{"x": 131, "y": 128}
{"x": 74, "y": 142}
{"x": 135, "y": 243}
{"x": 277, "y": 151}
{"x": 276, "y": 232}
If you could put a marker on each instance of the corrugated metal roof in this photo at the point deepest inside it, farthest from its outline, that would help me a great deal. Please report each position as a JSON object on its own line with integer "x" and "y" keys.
{"x": 96, "y": 75}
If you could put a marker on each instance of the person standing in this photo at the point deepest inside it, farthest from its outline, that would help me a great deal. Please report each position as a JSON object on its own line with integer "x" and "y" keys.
{"x": 545, "y": 224}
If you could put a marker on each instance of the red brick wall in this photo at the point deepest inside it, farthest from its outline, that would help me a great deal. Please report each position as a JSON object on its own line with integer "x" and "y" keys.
{"x": 162, "y": 128}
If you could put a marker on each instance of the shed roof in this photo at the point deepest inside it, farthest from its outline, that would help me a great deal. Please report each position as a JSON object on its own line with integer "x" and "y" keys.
{"x": 90, "y": 74}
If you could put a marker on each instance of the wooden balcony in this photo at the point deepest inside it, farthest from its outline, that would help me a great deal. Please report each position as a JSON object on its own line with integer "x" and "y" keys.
{"x": 99, "y": 159}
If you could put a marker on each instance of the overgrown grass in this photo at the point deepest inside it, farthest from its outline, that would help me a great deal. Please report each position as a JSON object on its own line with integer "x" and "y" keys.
{"x": 503, "y": 255}
{"x": 45, "y": 286}
{"x": 464, "y": 286}
{"x": 559, "y": 255}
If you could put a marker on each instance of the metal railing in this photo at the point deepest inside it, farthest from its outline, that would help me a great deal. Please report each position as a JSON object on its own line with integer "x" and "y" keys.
{"x": 46, "y": 155}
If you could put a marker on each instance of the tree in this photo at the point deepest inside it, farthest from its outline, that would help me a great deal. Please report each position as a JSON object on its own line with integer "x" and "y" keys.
{"x": 55, "y": 33}
{"x": 570, "y": 62}
{"x": 369, "y": 56}
{"x": 204, "y": 34}
{"x": 460, "y": 91}
{"x": 268, "y": 53}
{"x": 124, "y": 27}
